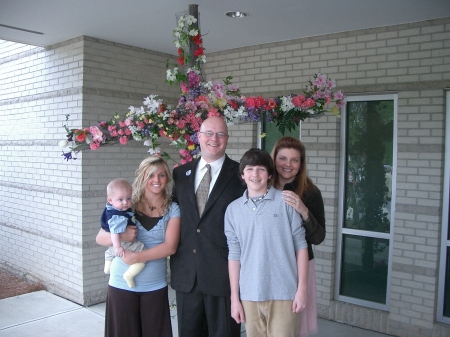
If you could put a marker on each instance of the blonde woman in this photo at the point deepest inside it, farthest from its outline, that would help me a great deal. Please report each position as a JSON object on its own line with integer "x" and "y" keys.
{"x": 144, "y": 309}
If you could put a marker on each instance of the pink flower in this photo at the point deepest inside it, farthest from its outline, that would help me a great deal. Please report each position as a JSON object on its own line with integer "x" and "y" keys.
{"x": 338, "y": 95}
{"x": 184, "y": 87}
{"x": 331, "y": 83}
{"x": 298, "y": 100}
{"x": 140, "y": 124}
{"x": 128, "y": 132}
{"x": 97, "y": 135}
{"x": 181, "y": 124}
{"x": 260, "y": 102}
{"x": 184, "y": 152}
{"x": 250, "y": 102}
{"x": 309, "y": 103}
{"x": 114, "y": 133}
{"x": 213, "y": 112}
{"x": 320, "y": 80}
{"x": 128, "y": 121}
{"x": 94, "y": 145}
{"x": 122, "y": 124}
{"x": 233, "y": 87}
{"x": 123, "y": 140}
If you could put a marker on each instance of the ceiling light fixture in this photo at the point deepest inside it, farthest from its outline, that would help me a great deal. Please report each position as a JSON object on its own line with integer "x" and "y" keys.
{"x": 236, "y": 14}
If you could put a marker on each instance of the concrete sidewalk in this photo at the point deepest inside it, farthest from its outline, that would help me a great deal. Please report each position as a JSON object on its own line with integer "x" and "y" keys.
{"x": 46, "y": 315}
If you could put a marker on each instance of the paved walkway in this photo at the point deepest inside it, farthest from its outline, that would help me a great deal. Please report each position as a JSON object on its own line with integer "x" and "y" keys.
{"x": 46, "y": 315}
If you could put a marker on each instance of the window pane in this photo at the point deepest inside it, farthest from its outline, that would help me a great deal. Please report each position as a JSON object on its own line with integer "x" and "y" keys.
{"x": 364, "y": 268}
{"x": 272, "y": 135}
{"x": 447, "y": 286}
{"x": 369, "y": 153}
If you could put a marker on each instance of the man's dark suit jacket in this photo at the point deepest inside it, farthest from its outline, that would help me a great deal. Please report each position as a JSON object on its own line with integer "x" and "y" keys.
{"x": 203, "y": 251}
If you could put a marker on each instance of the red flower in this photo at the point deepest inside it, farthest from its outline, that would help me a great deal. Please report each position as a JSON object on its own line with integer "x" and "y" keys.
{"x": 197, "y": 39}
{"x": 81, "y": 137}
{"x": 162, "y": 107}
{"x": 180, "y": 51}
{"x": 181, "y": 60}
{"x": 271, "y": 104}
{"x": 199, "y": 52}
{"x": 233, "y": 104}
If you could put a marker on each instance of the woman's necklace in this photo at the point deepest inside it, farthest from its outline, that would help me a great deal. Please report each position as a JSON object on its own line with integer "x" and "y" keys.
{"x": 152, "y": 208}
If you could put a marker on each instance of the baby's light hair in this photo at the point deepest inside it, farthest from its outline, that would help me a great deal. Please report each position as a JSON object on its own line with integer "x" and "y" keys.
{"x": 117, "y": 184}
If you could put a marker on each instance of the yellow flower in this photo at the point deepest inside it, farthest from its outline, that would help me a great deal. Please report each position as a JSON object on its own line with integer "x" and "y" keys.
{"x": 183, "y": 132}
{"x": 262, "y": 135}
{"x": 335, "y": 111}
{"x": 221, "y": 102}
{"x": 161, "y": 125}
{"x": 191, "y": 147}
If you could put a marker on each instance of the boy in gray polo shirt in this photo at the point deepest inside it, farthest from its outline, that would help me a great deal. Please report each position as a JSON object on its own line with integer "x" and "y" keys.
{"x": 268, "y": 256}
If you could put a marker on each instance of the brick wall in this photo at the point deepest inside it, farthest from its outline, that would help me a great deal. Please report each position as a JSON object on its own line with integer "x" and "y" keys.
{"x": 412, "y": 60}
{"x": 50, "y": 208}
{"x": 89, "y": 78}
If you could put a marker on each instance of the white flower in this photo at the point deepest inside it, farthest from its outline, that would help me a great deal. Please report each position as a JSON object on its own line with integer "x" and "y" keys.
{"x": 177, "y": 44}
{"x": 156, "y": 150}
{"x": 148, "y": 142}
{"x": 135, "y": 133}
{"x": 202, "y": 58}
{"x": 177, "y": 34}
{"x": 190, "y": 20}
{"x": 63, "y": 143}
{"x": 193, "y": 32}
{"x": 286, "y": 103}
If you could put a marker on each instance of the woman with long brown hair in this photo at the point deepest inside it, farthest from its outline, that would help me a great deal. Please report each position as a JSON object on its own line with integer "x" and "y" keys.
{"x": 299, "y": 191}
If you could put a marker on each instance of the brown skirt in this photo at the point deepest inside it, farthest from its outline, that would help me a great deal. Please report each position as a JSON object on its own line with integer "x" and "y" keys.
{"x": 137, "y": 314}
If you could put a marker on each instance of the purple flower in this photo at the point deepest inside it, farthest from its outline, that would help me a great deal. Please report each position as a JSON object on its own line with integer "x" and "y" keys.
{"x": 68, "y": 156}
{"x": 193, "y": 79}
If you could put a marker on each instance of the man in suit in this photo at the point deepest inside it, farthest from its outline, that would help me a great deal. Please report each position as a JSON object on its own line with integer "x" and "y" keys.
{"x": 199, "y": 268}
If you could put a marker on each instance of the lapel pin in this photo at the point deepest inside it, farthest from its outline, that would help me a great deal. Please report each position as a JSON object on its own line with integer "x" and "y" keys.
{"x": 188, "y": 173}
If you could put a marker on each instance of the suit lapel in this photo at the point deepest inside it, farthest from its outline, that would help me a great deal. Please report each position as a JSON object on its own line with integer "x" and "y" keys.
{"x": 189, "y": 183}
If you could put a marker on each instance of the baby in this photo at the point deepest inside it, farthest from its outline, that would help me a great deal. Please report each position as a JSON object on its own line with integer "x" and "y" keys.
{"x": 116, "y": 217}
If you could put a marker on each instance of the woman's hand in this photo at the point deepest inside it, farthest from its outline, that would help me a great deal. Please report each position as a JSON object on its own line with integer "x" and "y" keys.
{"x": 130, "y": 257}
{"x": 129, "y": 235}
{"x": 292, "y": 199}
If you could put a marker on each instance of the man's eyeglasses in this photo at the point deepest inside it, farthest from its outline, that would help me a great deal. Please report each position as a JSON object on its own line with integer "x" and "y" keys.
{"x": 210, "y": 134}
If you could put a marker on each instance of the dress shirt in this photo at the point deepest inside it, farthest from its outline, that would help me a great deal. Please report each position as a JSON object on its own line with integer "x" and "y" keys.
{"x": 216, "y": 166}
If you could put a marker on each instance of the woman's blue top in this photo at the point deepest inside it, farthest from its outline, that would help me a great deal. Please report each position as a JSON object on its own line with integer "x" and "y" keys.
{"x": 154, "y": 274}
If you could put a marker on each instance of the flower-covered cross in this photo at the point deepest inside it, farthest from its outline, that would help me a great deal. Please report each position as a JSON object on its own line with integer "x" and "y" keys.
{"x": 199, "y": 100}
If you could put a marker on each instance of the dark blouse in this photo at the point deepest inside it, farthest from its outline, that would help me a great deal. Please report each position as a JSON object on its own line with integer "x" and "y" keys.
{"x": 147, "y": 222}
{"x": 315, "y": 226}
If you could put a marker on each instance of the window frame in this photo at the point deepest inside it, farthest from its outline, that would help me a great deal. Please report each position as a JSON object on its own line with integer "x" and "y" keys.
{"x": 445, "y": 242}
{"x": 341, "y": 196}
